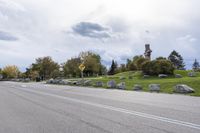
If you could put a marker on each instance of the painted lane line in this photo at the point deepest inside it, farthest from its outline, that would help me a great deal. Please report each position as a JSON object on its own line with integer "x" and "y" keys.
{"x": 131, "y": 112}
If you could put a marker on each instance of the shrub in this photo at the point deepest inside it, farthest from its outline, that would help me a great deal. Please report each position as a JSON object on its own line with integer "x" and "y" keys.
{"x": 155, "y": 67}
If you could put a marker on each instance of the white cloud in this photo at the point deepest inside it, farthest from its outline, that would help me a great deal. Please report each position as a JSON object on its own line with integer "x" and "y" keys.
{"x": 43, "y": 27}
{"x": 187, "y": 38}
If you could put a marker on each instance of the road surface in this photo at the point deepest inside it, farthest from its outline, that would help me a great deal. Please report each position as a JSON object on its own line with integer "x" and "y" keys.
{"x": 42, "y": 108}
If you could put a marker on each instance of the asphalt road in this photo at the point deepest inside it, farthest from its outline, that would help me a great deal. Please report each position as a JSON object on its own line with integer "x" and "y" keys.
{"x": 41, "y": 108}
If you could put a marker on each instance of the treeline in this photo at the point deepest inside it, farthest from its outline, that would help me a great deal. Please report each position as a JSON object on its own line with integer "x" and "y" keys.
{"x": 160, "y": 65}
{"x": 45, "y": 67}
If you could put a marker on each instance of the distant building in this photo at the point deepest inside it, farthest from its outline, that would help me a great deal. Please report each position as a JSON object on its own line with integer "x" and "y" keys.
{"x": 148, "y": 51}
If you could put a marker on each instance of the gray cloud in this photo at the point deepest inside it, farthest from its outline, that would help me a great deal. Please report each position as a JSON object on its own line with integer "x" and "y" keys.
{"x": 7, "y": 36}
{"x": 118, "y": 24}
{"x": 92, "y": 30}
{"x": 116, "y": 33}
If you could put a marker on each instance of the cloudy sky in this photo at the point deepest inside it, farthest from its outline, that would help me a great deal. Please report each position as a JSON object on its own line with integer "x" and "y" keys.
{"x": 115, "y": 29}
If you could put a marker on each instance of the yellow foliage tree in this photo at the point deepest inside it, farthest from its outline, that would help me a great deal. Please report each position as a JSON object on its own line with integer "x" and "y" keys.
{"x": 11, "y": 71}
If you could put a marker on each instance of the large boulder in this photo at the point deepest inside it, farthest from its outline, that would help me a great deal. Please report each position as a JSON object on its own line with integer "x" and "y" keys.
{"x": 162, "y": 76}
{"x": 154, "y": 87}
{"x": 69, "y": 82}
{"x": 137, "y": 87}
{"x": 78, "y": 82}
{"x": 20, "y": 80}
{"x": 50, "y": 81}
{"x": 99, "y": 84}
{"x": 181, "y": 88}
{"x": 178, "y": 76}
{"x": 74, "y": 82}
{"x": 146, "y": 76}
{"x": 192, "y": 74}
{"x": 56, "y": 81}
{"x": 15, "y": 80}
{"x": 111, "y": 84}
{"x": 87, "y": 83}
{"x": 26, "y": 80}
{"x": 121, "y": 85}
{"x": 63, "y": 82}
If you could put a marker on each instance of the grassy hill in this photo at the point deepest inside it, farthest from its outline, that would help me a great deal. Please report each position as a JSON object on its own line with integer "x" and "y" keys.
{"x": 167, "y": 84}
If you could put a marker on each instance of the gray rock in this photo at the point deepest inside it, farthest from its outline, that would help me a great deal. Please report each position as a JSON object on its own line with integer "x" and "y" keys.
{"x": 56, "y": 81}
{"x": 74, "y": 82}
{"x": 20, "y": 80}
{"x": 181, "y": 88}
{"x": 87, "y": 83}
{"x": 162, "y": 76}
{"x": 154, "y": 88}
{"x": 178, "y": 76}
{"x": 12, "y": 80}
{"x": 50, "y": 81}
{"x": 62, "y": 82}
{"x": 137, "y": 87}
{"x": 111, "y": 84}
{"x": 192, "y": 74}
{"x": 121, "y": 85}
{"x": 99, "y": 84}
{"x": 26, "y": 80}
{"x": 69, "y": 82}
{"x": 78, "y": 82}
{"x": 146, "y": 76}
{"x": 122, "y": 78}
{"x": 17, "y": 80}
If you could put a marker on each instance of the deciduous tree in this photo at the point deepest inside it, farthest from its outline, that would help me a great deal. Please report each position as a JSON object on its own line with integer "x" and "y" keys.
{"x": 71, "y": 67}
{"x": 44, "y": 66}
{"x": 10, "y": 71}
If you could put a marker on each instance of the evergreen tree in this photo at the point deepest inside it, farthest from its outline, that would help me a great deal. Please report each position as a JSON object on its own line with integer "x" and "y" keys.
{"x": 196, "y": 66}
{"x": 177, "y": 60}
{"x": 113, "y": 68}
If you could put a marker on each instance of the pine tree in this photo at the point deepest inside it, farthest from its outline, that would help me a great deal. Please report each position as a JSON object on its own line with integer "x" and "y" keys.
{"x": 196, "y": 66}
{"x": 177, "y": 60}
{"x": 113, "y": 68}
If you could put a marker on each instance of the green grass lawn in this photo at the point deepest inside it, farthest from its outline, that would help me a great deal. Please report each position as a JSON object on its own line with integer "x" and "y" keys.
{"x": 166, "y": 84}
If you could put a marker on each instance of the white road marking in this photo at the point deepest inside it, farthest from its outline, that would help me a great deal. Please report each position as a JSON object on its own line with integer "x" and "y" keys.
{"x": 131, "y": 112}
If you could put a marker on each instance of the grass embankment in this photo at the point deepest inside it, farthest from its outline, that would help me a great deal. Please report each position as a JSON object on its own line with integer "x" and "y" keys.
{"x": 166, "y": 84}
